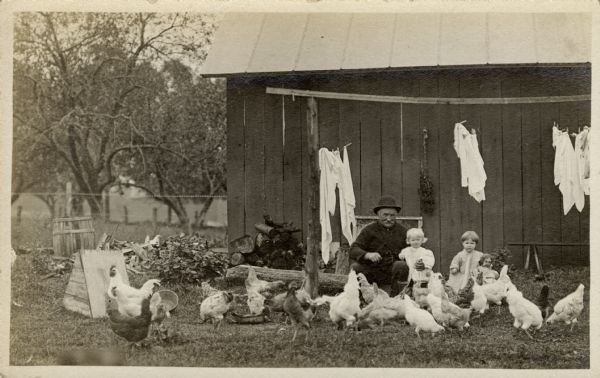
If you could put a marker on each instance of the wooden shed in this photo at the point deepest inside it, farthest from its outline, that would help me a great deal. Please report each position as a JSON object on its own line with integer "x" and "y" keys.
{"x": 510, "y": 76}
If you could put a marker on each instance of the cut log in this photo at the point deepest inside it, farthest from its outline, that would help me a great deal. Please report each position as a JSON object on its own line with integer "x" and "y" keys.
{"x": 237, "y": 259}
{"x": 342, "y": 265}
{"x": 328, "y": 282}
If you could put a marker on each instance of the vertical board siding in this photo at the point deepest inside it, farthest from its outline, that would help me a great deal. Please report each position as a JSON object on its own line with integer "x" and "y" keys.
{"x": 510, "y": 145}
{"x": 274, "y": 158}
{"x": 236, "y": 191}
{"x": 450, "y": 184}
{"x": 522, "y": 203}
{"x": 429, "y": 119}
{"x": 532, "y": 164}
{"x": 552, "y": 210}
{"x": 254, "y": 157}
{"x": 292, "y": 163}
{"x": 470, "y": 209}
{"x": 412, "y": 147}
{"x": 391, "y": 144}
{"x": 370, "y": 157}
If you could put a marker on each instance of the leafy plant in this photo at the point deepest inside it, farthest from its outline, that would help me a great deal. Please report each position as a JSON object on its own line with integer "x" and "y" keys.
{"x": 187, "y": 259}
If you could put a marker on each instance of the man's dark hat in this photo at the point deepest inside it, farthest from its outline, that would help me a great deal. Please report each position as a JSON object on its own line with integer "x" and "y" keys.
{"x": 386, "y": 202}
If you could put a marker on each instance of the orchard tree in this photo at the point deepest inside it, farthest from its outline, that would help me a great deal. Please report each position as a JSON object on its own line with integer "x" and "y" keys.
{"x": 91, "y": 89}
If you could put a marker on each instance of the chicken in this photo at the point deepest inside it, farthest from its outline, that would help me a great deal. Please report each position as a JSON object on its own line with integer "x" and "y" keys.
{"x": 129, "y": 299}
{"x": 276, "y": 303}
{"x": 419, "y": 318}
{"x": 376, "y": 301}
{"x": 346, "y": 305}
{"x": 569, "y": 308}
{"x": 526, "y": 313}
{"x": 543, "y": 303}
{"x": 367, "y": 290}
{"x": 261, "y": 286}
{"x": 479, "y": 302}
{"x": 131, "y": 328}
{"x": 436, "y": 285}
{"x": 465, "y": 295}
{"x": 496, "y": 291}
{"x": 380, "y": 316}
{"x": 447, "y": 313}
{"x": 215, "y": 307}
{"x": 300, "y": 309}
{"x": 256, "y": 302}
{"x": 207, "y": 290}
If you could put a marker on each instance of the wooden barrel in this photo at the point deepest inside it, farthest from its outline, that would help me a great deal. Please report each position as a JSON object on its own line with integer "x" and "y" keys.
{"x": 70, "y": 235}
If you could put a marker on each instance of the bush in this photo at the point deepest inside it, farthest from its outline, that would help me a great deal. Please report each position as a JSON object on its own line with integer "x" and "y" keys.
{"x": 187, "y": 259}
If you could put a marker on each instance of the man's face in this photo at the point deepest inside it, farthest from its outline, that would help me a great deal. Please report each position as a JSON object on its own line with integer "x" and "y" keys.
{"x": 387, "y": 217}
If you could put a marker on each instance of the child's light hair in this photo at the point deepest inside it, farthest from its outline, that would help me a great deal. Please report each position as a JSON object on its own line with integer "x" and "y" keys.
{"x": 415, "y": 233}
{"x": 470, "y": 235}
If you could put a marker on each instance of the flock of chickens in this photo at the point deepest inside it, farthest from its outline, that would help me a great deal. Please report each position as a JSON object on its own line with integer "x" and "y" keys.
{"x": 360, "y": 305}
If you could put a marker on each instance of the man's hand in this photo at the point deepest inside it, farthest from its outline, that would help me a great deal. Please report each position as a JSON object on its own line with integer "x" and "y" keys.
{"x": 373, "y": 256}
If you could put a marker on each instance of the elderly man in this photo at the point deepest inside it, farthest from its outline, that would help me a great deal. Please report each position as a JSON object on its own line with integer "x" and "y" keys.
{"x": 375, "y": 251}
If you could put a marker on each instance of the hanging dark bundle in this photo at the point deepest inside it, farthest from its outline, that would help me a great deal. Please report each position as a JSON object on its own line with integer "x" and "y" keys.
{"x": 425, "y": 184}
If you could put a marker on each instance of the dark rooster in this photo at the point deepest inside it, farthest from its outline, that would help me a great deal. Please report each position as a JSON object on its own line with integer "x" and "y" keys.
{"x": 299, "y": 308}
{"x": 132, "y": 328}
{"x": 465, "y": 295}
{"x": 543, "y": 303}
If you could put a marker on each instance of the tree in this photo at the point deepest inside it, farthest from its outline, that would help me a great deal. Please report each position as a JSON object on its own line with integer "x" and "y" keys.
{"x": 81, "y": 77}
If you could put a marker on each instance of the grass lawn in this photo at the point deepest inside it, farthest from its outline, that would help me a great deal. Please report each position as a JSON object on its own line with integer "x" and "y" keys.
{"x": 42, "y": 328}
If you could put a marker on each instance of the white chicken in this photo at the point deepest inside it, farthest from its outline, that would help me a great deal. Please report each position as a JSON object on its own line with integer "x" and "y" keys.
{"x": 207, "y": 290}
{"x": 436, "y": 285}
{"x": 261, "y": 286}
{"x": 447, "y": 313}
{"x": 215, "y": 307}
{"x": 569, "y": 308}
{"x": 256, "y": 302}
{"x": 479, "y": 302}
{"x": 344, "y": 306}
{"x": 367, "y": 290}
{"x": 496, "y": 291}
{"x": 526, "y": 313}
{"x": 129, "y": 299}
{"x": 420, "y": 319}
{"x": 376, "y": 302}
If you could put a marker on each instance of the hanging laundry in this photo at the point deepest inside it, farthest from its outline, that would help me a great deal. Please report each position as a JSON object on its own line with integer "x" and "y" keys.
{"x": 582, "y": 154}
{"x": 347, "y": 200}
{"x": 566, "y": 171}
{"x": 328, "y": 164}
{"x": 471, "y": 163}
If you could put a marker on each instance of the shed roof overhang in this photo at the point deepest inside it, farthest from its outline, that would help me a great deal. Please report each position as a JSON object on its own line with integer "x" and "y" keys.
{"x": 284, "y": 43}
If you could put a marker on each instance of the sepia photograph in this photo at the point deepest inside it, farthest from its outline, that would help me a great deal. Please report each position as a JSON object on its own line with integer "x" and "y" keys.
{"x": 299, "y": 188}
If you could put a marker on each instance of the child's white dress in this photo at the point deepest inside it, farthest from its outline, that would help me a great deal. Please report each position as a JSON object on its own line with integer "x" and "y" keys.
{"x": 411, "y": 256}
{"x": 465, "y": 263}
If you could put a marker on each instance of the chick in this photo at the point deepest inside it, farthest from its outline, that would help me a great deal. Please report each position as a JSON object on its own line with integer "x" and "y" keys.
{"x": 299, "y": 310}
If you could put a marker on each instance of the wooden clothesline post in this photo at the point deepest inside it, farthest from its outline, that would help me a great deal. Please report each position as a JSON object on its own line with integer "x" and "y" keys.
{"x": 312, "y": 256}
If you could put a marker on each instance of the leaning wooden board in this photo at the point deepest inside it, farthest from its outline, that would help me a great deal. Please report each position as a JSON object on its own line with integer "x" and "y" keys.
{"x": 89, "y": 279}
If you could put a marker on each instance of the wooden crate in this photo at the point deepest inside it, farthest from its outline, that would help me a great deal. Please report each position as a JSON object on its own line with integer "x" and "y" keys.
{"x": 70, "y": 235}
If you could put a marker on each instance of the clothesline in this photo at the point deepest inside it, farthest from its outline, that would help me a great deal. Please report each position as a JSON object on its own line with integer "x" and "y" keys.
{"x": 427, "y": 100}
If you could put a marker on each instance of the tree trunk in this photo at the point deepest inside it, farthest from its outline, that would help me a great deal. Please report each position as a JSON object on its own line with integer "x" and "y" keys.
{"x": 204, "y": 210}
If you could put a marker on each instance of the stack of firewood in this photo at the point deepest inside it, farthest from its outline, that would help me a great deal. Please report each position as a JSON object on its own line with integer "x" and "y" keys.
{"x": 274, "y": 246}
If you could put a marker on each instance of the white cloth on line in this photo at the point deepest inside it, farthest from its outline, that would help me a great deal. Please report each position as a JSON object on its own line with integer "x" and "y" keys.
{"x": 335, "y": 173}
{"x": 582, "y": 154}
{"x": 330, "y": 173}
{"x": 471, "y": 163}
{"x": 347, "y": 200}
{"x": 566, "y": 171}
